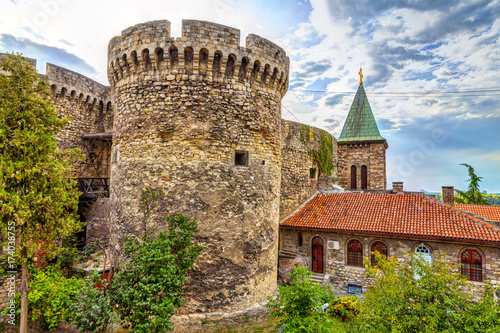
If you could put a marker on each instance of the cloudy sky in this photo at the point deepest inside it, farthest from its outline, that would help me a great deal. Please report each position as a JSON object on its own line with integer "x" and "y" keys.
{"x": 432, "y": 68}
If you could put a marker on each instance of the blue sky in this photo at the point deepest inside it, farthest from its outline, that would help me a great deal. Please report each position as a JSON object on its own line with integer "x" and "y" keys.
{"x": 431, "y": 68}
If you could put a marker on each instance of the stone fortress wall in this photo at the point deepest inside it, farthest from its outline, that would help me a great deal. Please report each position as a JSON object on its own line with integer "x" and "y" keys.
{"x": 298, "y": 181}
{"x": 199, "y": 117}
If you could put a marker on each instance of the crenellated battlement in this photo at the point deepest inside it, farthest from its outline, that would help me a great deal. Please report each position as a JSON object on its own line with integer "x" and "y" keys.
{"x": 75, "y": 87}
{"x": 206, "y": 51}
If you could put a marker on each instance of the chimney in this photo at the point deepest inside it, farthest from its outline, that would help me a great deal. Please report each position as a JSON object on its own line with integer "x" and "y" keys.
{"x": 397, "y": 187}
{"x": 448, "y": 195}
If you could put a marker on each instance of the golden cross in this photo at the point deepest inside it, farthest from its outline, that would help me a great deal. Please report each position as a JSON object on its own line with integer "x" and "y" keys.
{"x": 360, "y": 76}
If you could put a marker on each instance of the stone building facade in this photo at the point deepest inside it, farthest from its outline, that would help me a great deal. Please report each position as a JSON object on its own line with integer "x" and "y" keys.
{"x": 349, "y": 226}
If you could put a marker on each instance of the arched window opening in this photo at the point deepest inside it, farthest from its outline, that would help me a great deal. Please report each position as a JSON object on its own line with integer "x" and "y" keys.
{"x": 63, "y": 93}
{"x": 353, "y": 177}
{"x": 135, "y": 60}
{"x": 73, "y": 95}
{"x": 275, "y": 74}
{"x": 472, "y": 265}
{"x": 119, "y": 67}
{"x": 355, "y": 253}
{"x": 216, "y": 63}
{"x": 203, "y": 61}
{"x": 100, "y": 118}
{"x": 364, "y": 177}
{"x": 159, "y": 57}
{"x": 426, "y": 255}
{"x": 53, "y": 90}
{"x": 147, "y": 60}
{"x": 188, "y": 60}
{"x": 299, "y": 240}
{"x": 243, "y": 69}
{"x": 125, "y": 64}
{"x": 379, "y": 247}
{"x": 230, "y": 65}
{"x": 255, "y": 70}
{"x": 265, "y": 74}
{"x": 174, "y": 57}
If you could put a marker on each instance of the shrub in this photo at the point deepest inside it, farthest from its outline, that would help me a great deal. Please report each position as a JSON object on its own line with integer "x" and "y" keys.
{"x": 50, "y": 297}
{"x": 297, "y": 304}
{"x": 345, "y": 306}
{"x": 92, "y": 310}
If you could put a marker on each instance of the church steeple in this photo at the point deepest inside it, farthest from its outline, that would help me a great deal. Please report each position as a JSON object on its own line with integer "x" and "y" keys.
{"x": 360, "y": 124}
{"x": 361, "y": 148}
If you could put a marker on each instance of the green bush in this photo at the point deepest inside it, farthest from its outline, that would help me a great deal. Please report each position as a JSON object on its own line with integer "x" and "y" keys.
{"x": 92, "y": 310}
{"x": 416, "y": 296}
{"x": 297, "y": 304}
{"x": 50, "y": 297}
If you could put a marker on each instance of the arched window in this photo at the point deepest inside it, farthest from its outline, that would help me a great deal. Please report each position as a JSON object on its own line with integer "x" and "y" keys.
{"x": 353, "y": 177}
{"x": 426, "y": 255}
{"x": 472, "y": 265}
{"x": 364, "y": 177}
{"x": 300, "y": 239}
{"x": 379, "y": 247}
{"x": 231, "y": 60}
{"x": 355, "y": 253}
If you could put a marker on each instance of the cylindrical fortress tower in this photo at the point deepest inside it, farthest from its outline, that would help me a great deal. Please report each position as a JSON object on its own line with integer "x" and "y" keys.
{"x": 199, "y": 118}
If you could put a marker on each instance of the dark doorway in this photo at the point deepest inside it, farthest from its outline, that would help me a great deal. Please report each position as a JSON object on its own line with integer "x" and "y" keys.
{"x": 317, "y": 255}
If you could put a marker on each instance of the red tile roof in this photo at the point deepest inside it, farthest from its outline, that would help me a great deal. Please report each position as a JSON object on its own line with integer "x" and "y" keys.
{"x": 406, "y": 215}
{"x": 491, "y": 213}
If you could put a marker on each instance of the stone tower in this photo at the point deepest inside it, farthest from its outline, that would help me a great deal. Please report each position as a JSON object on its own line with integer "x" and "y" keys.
{"x": 199, "y": 118}
{"x": 361, "y": 148}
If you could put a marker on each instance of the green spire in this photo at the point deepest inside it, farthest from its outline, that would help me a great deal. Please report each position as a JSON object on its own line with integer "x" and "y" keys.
{"x": 360, "y": 124}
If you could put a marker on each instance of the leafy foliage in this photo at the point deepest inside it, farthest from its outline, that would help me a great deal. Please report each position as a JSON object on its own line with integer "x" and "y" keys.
{"x": 297, "y": 303}
{"x": 473, "y": 194}
{"x": 323, "y": 155}
{"x": 149, "y": 288}
{"x": 440, "y": 300}
{"x": 92, "y": 310}
{"x": 38, "y": 198}
{"x": 50, "y": 297}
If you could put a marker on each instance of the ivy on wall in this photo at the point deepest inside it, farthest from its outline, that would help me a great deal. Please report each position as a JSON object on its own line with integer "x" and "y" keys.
{"x": 323, "y": 154}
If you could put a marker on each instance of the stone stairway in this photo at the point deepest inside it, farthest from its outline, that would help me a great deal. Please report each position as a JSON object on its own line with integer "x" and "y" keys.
{"x": 318, "y": 278}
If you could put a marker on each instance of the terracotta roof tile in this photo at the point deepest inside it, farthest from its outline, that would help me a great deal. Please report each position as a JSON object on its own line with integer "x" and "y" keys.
{"x": 392, "y": 214}
{"x": 491, "y": 213}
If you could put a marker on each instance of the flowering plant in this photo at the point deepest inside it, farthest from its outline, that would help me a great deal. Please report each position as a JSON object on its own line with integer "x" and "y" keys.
{"x": 345, "y": 306}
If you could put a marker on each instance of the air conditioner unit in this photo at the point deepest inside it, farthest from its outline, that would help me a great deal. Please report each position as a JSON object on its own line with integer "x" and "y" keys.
{"x": 333, "y": 245}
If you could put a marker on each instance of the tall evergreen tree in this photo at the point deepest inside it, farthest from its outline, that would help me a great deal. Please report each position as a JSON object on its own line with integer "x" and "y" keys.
{"x": 38, "y": 198}
{"x": 473, "y": 194}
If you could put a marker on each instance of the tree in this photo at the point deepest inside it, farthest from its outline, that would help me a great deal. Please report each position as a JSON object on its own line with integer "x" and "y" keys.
{"x": 416, "y": 296}
{"x": 38, "y": 198}
{"x": 148, "y": 289}
{"x": 296, "y": 304}
{"x": 473, "y": 194}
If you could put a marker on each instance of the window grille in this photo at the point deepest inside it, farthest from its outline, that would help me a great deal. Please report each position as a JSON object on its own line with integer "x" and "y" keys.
{"x": 355, "y": 253}
{"x": 378, "y": 247}
{"x": 472, "y": 265}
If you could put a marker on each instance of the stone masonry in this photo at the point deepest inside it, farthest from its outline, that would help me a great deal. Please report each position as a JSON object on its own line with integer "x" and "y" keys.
{"x": 199, "y": 117}
{"x": 342, "y": 275}
{"x": 371, "y": 154}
